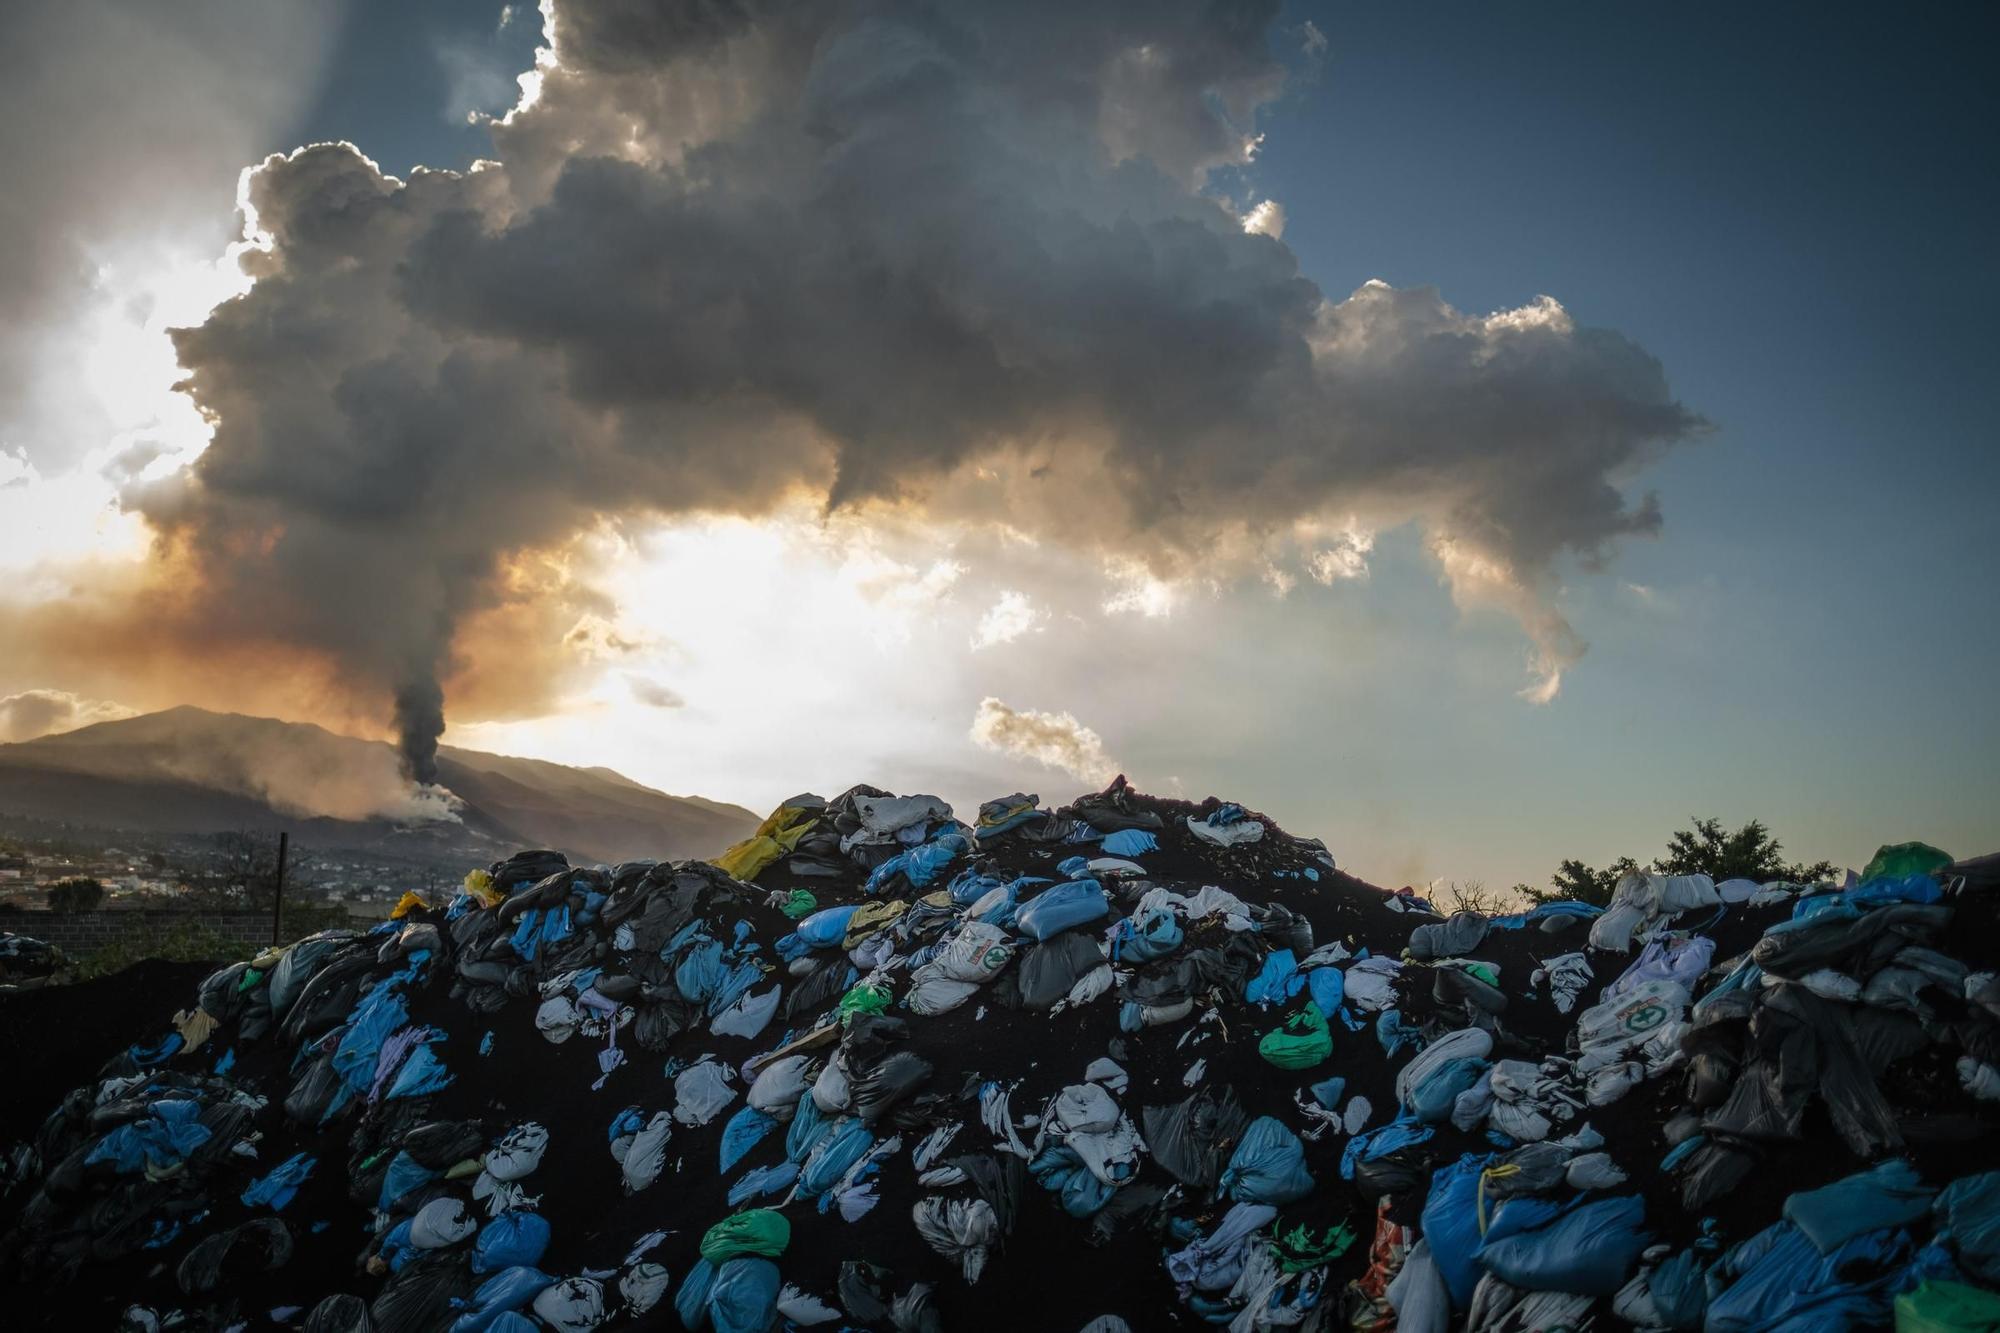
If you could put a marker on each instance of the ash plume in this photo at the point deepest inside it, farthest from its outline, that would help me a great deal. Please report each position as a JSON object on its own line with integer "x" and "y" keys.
{"x": 962, "y": 260}
{"x": 419, "y": 723}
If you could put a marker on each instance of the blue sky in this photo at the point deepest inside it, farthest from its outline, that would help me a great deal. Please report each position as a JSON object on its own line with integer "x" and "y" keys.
{"x": 1793, "y": 211}
{"x": 402, "y": 76}
{"x": 1789, "y": 207}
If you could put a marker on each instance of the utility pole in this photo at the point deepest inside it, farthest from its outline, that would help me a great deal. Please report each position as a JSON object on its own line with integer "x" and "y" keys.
{"x": 278, "y": 890}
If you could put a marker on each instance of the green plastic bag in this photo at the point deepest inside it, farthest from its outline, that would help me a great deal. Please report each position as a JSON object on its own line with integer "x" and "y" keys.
{"x": 1301, "y": 1250}
{"x": 1904, "y": 859}
{"x": 799, "y": 903}
{"x": 864, "y": 998}
{"x": 1301, "y": 1043}
{"x": 1947, "y": 1307}
{"x": 755, "y": 1231}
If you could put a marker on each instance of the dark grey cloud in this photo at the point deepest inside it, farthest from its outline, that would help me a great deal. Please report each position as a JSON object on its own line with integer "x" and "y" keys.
{"x": 652, "y": 693}
{"x": 949, "y": 257}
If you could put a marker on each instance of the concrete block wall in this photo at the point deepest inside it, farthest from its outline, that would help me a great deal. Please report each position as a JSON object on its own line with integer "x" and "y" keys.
{"x": 81, "y": 933}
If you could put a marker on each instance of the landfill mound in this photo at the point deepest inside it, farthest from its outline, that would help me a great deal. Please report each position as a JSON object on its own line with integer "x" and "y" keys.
{"x": 1127, "y": 1064}
{"x": 57, "y": 1035}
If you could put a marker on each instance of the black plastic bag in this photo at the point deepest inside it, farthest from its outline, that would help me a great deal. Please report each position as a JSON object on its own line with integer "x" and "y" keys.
{"x": 530, "y": 867}
{"x": 1856, "y": 946}
{"x": 818, "y": 991}
{"x": 1002, "y": 1183}
{"x": 255, "y": 1247}
{"x": 877, "y": 1089}
{"x": 1047, "y": 971}
{"x": 418, "y": 1299}
{"x": 340, "y": 1313}
{"x": 442, "y": 1144}
{"x": 862, "y": 1289}
{"x": 1193, "y": 1138}
{"x": 1403, "y": 1174}
{"x": 313, "y": 1091}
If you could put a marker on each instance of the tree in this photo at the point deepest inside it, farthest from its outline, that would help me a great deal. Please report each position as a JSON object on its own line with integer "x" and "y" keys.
{"x": 238, "y": 871}
{"x": 1470, "y": 895}
{"x": 1748, "y": 853}
{"x": 75, "y": 895}
{"x": 1581, "y": 883}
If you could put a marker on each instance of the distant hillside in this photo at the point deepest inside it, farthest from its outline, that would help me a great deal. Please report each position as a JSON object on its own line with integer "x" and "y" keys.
{"x": 190, "y": 770}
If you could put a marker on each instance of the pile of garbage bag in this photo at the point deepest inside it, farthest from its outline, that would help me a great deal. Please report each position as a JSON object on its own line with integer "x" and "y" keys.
{"x": 26, "y": 961}
{"x": 1129, "y": 1063}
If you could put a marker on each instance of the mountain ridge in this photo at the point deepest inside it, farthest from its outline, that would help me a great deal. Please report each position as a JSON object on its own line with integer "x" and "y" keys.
{"x": 193, "y": 770}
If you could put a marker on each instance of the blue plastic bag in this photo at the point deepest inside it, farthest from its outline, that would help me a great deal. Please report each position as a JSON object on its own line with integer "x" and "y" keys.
{"x": 745, "y": 1130}
{"x": 921, "y": 864}
{"x": 1451, "y": 1225}
{"x": 164, "y": 1136}
{"x": 513, "y": 1321}
{"x": 423, "y": 1073}
{"x": 1058, "y": 1169}
{"x": 1432, "y": 1100}
{"x": 277, "y": 1186}
{"x": 691, "y": 1302}
{"x": 970, "y": 886}
{"x": 1395, "y": 1034}
{"x": 375, "y": 1016}
{"x": 743, "y": 1298}
{"x": 738, "y": 979}
{"x": 1777, "y": 1276}
{"x": 1399, "y": 1133}
{"x": 1268, "y": 1166}
{"x": 1064, "y": 907}
{"x": 826, "y": 928}
{"x": 505, "y": 1291}
{"x": 1590, "y": 1249}
{"x": 1154, "y": 936}
{"x": 700, "y": 971}
{"x": 1968, "y": 1210}
{"x": 515, "y": 1239}
{"x": 1888, "y": 1195}
{"x": 1130, "y": 842}
{"x": 158, "y": 1053}
{"x": 832, "y": 1156}
{"x": 1278, "y": 982}
{"x": 761, "y": 1181}
{"x": 1328, "y": 986}
{"x": 405, "y": 1173}
{"x": 809, "y": 1126}
{"x": 1004, "y": 908}
{"x": 527, "y": 934}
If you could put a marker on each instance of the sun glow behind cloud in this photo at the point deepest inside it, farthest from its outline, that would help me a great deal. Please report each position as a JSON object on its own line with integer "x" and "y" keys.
{"x": 802, "y": 651}
{"x": 125, "y": 367}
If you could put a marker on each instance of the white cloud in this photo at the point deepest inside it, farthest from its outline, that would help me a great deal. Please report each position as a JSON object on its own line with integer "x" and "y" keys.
{"x": 1345, "y": 558}
{"x": 33, "y": 713}
{"x": 1478, "y": 579}
{"x": 1055, "y": 739}
{"x": 1006, "y": 620}
{"x": 1266, "y": 219}
{"x": 1137, "y": 591}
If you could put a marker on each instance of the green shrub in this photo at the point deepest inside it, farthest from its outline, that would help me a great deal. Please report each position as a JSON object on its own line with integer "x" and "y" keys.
{"x": 189, "y": 941}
